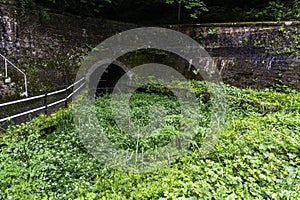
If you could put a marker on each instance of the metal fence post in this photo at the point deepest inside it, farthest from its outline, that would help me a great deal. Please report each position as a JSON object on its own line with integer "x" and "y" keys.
{"x": 5, "y": 64}
{"x": 45, "y": 103}
{"x": 44, "y": 99}
{"x": 66, "y": 98}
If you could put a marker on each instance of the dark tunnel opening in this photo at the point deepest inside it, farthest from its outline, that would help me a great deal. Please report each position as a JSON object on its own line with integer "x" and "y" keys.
{"x": 109, "y": 78}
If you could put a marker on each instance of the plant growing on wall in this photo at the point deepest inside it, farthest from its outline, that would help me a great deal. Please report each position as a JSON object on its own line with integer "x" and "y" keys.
{"x": 212, "y": 32}
{"x": 24, "y": 4}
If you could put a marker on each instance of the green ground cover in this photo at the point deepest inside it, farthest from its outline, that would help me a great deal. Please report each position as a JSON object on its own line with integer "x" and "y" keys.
{"x": 256, "y": 156}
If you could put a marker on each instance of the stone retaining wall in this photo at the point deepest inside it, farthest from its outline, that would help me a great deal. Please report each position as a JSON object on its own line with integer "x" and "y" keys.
{"x": 247, "y": 54}
{"x": 252, "y": 54}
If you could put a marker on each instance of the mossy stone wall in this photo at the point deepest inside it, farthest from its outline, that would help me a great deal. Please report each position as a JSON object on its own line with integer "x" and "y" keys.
{"x": 49, "y": 47}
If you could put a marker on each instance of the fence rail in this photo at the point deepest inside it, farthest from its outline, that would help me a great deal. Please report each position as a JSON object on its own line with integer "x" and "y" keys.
{"x": 6, "y": 62}
{"x": 44, "y": 96}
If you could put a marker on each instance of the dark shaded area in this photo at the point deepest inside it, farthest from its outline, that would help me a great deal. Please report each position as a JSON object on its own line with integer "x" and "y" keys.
{"x": 109, "y": 79}
{"x": 145, "y": 56}
{"x": 159, "y": 12}
{"x": 157, "y": 89}
{"x": 101, "y": 80}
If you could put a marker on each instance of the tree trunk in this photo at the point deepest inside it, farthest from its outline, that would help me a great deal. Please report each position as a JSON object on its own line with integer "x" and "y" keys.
{"x": 179, "y": 12}
{"x": 60, "y": 4}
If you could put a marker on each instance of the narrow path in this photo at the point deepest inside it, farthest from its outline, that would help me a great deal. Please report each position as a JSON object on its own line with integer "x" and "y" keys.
{"x": 23, "y": 107}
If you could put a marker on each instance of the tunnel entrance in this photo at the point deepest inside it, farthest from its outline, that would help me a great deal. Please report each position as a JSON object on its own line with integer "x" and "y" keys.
{"x": 108, "y": 80}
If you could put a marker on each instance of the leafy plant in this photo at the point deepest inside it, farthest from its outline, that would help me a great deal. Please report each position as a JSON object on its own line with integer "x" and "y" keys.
{"x": 196, "y": 6}
{"x": 212, "y": 32}
{"x": 45, "y": 15}
{"x": 25, "y": 4}
{"x": 256, "y": 157}
{"x": 278, "y": 10}
{"x": 281, "y": 29}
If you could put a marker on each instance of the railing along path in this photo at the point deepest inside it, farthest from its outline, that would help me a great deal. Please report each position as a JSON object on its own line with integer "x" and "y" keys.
{"x": 45, "y": 97}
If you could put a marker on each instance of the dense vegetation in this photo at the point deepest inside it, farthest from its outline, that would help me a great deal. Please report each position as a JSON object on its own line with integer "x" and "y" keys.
{"x": 173, "y": 11}
{"x": 256, "y": 157}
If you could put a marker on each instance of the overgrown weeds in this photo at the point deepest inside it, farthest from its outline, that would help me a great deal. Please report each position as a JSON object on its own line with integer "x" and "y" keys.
{"x": 256, "y": 156}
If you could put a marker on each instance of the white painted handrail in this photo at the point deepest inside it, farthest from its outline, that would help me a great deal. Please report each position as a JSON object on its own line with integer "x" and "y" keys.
{"x": 41, "y": 96}
{"x": 21, "y": 114}
{"x": 75, "y": 91}
{"x": 21, "y": 100}
{"x": 6, "y": 61}
{"x": 67, "y": 88}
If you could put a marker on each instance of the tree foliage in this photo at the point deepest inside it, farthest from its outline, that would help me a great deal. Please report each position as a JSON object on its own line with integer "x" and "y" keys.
{"x": 81, "y": 7}
{"x": 165, "y": 11}
{"x": 278, "y": 10}
{"x": 196, "y": 7}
